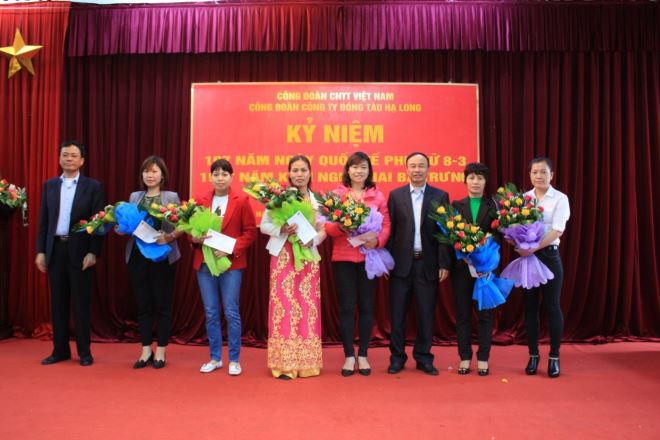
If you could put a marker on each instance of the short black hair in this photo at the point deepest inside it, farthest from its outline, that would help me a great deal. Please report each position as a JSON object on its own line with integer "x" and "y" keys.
{"x": 223, "y": 164}
{"x": 160, "y": 163}
{"x": 355, "y": 159}
{"x": 305, "y": 159}
{"x": 80, "y": 145}
{"x": 540, "y": 159}
{"x": 476, "y": 168}
{"x": 415, "y": 153}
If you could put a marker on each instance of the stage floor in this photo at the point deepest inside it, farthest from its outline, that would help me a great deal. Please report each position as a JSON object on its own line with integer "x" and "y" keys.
{"x": 607, "y": 391}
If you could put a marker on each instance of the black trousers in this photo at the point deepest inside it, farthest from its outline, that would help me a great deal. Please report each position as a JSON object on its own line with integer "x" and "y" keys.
{"x": 152, "y": 285}
{"x": 402, "y": 290}
{"x": 463, "y": 284}
{"x": 70, "y": 285}
{"x": 551, "y": 302}
{"x": 353, "y": 287}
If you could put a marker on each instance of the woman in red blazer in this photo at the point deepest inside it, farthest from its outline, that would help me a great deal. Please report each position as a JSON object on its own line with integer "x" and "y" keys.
{"x": 353, "y": 285}
{"x": 237, "y": 222}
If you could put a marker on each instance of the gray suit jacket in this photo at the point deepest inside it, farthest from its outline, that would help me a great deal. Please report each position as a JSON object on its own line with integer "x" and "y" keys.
{"x": 166, "y": 197}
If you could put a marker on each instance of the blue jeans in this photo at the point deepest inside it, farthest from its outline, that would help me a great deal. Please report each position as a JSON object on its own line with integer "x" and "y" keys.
{"x": 227, "y": 284}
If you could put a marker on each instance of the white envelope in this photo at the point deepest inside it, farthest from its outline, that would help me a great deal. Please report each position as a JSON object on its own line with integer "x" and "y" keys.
{"x": 146, "y": 233}
{"x": 221, "y": 242}
{"x": 361, "y": 239}
{"x": 305, "y": 231}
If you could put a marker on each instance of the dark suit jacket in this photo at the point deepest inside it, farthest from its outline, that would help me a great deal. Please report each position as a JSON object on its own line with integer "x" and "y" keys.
{"x": 402, "y": 232}
{"x": 487, "y": 213}
{"x": 87, "y": 201}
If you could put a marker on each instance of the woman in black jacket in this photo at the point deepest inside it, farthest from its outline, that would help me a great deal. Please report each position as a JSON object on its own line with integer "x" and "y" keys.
{"x": 480, "y": 211}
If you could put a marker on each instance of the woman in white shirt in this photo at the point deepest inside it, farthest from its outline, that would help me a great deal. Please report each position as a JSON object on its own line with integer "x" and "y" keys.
{"x": 556, "y": 212}
{"x": 294, "y": 309}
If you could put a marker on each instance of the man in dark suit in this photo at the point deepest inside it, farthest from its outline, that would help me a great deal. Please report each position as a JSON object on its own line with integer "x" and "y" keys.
{"x": 420, "y": 262}
{"x": 69, "y": 258}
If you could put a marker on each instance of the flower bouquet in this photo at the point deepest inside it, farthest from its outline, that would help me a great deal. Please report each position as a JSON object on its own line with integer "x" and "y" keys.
{"x": 282, "y": 203}
{"x": 346, "y": 211}
{"x": 200, "y": 222}
{"x": 175, "y": 215}
{"x": 272, "y": 194}
{"x": 362, "y": 223}
{"x": 100, "y": 223}
{"x": 478, "y": 249}
{"x": 128, "y": 218}
{"x": 521, "y": 221}
{"x": 11, "y": 195}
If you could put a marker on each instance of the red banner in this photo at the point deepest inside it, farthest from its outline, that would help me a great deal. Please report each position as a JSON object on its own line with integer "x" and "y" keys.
{"x": 259, "y": 126}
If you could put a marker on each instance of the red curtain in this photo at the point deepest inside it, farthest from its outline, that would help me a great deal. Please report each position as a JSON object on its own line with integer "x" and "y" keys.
{"x": 589, "y": 100}
{"x": 304, "y": 26}
{"x": 30, "y": 127}
{"x": 596, "y": 114}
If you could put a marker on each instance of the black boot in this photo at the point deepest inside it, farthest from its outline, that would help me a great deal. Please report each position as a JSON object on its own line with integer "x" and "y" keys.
{"x": 532, "y": 365}
{"x": 553, "y": 367}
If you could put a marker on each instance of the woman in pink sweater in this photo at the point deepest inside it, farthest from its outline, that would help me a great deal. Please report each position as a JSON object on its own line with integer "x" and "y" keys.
{"x": 353, "y": 285}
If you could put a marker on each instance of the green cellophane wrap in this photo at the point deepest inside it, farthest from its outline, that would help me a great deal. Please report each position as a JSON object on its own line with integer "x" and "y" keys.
{"x": 198, "y": 225}
{"x": 279, "y": 217}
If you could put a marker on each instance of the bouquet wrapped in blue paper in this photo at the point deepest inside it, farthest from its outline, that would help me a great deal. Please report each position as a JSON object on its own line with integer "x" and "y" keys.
{"x": 490, "y": 290}
{"x": 128, "y": 217}
{"x": 478, "y": 249}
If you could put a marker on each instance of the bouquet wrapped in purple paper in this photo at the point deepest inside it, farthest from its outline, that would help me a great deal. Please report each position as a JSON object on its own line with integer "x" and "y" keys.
{"x": 521, "y": 222}
{"x": 377, "y": 261}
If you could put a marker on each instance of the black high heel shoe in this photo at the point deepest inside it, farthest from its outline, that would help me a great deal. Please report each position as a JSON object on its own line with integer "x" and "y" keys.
{"x": 364, "y": 371}
{"x": 482, "y": 371}
{"x": 159, "y": 363}
{"x": 141, "y": 364}
{"x": 553, "y": 367}
{"x": 532, "y": 365}
{"x": 347, "y": 373}
{"x": 464, "y": 370}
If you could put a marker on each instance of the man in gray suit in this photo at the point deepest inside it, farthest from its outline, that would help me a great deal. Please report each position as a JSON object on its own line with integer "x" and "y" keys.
{"x": 421, "y": 262}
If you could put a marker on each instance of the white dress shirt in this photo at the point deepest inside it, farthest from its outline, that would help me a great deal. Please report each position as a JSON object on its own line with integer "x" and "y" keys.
{"x": 67, "y": 193}
{"x": 556, "y": 210}
{"x": 417, "y": 197}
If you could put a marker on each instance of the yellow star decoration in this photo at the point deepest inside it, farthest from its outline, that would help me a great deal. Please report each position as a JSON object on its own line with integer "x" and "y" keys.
{"x": 19, "y": 54}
